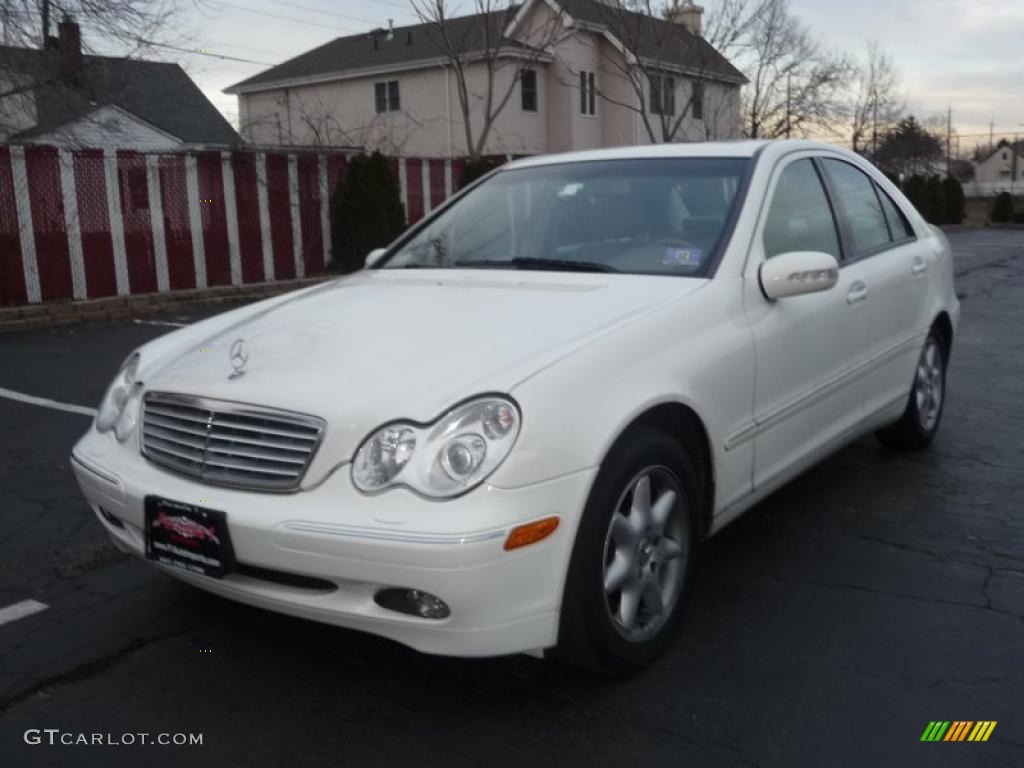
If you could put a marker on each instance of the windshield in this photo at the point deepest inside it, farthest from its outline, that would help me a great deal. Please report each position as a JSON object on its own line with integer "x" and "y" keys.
{"x": 649, "y": 216}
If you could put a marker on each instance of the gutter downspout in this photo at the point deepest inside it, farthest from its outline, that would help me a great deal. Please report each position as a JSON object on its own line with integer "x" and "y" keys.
{"x": 448, "y": 106}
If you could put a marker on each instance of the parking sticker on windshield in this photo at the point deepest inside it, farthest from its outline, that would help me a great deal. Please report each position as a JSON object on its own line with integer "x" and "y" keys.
{"x": 683, "y": 257}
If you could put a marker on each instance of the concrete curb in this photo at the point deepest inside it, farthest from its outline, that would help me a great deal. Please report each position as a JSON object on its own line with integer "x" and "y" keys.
{"x": 35, "y": 316}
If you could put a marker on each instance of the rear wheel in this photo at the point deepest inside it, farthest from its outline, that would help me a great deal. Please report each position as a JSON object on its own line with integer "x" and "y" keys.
{"x": 920, "y": 421}
{"x": 633, "y": 558}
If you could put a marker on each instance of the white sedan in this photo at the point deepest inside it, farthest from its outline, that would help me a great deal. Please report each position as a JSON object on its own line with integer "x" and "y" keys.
{"x": 512, "y": 430}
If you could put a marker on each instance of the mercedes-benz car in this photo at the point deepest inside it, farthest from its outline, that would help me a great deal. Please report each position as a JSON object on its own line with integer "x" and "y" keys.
{"x": 512, "y": 430}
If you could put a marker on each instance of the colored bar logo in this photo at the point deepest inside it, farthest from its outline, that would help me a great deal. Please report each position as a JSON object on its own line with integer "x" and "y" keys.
{"x": 958, "y": 730}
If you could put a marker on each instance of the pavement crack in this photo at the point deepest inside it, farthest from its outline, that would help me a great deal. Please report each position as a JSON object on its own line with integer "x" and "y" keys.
{"x": 89, "y": 669}
{"x": 900, "y": 596}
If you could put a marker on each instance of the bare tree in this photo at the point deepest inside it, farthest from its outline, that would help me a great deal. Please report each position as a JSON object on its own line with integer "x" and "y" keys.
{"x": 124, "y": 28}
{"x": 659, "y": 59}
{"x": 877, "y": 101}
{"x": 796, "y": 86}
{"x": 486, "y": 65}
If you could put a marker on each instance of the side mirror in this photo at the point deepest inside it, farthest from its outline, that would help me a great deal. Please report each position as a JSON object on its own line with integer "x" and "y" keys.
{"x": 374, "y": 256}
{"x": 798, "y": 272}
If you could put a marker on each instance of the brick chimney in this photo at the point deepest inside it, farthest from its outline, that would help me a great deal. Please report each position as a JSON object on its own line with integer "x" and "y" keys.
{"x": 685, "y": 14}
{"x": 69, "y": 49}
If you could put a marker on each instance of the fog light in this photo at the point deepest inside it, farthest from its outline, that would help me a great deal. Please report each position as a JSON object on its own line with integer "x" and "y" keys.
{"x": 415, "y": 602}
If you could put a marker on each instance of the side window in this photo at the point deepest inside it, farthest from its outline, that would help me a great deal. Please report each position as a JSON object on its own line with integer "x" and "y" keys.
{"x": 800, "y": 218}
{"x": 898, "y": 224}
{"x": 859, "y": 204}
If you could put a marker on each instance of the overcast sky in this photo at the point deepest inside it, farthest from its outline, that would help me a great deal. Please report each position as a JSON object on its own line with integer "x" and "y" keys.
{"x": 965, "y": 53}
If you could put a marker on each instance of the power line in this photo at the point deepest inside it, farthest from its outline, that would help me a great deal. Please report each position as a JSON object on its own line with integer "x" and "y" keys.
{"x": 201, "y": 52}
{"x": 326, "y": 13}
{"x": 282, "y": 17}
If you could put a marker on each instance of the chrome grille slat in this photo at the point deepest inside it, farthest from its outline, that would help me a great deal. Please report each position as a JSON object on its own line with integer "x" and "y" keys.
{"x": 253, "y": 453}
{"x": 248, "y": 467}
{"x": 246, "y": 440}
{"x": 264, "y": 430}
{"x": 170, "y": 436}
{"x": 224, "y": 443}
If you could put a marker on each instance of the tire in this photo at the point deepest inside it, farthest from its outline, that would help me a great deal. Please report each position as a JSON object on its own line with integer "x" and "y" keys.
{"x": 920, "y": 420}
{"x": 632, "y": 549}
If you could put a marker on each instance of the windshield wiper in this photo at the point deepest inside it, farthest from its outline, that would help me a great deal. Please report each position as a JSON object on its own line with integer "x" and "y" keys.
{"x": 532, "y": 262}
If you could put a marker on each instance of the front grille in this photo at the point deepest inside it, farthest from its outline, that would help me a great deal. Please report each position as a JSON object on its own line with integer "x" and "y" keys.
{"x": 230, "y": 444}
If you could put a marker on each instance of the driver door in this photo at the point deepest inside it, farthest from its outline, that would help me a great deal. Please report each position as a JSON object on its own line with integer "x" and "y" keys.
{"x": 808, "y": 391}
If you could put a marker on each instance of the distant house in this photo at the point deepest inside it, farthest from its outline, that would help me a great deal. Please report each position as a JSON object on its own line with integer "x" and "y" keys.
{"x": 59, "y": 96}
{"x": 600, "y": 80}
{"x": 1003, "y": 167}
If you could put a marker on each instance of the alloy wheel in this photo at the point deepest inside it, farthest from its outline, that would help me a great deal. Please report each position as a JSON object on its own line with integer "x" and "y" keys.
{"x": 646, "y": 553}
{"x": 928, "y": 385}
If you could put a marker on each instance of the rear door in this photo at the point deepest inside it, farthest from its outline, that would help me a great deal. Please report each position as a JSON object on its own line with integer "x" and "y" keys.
{"x": 808, "y": 348}
{"x": 896, "y": 265}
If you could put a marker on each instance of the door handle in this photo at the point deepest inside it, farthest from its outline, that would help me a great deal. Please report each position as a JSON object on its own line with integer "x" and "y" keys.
{"x": 919, "y": 266}
{"x": 858, "y": 292}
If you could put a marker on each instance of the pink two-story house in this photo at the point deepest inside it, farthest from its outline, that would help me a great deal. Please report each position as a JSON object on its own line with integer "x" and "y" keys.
{"x": 581, "y": 74}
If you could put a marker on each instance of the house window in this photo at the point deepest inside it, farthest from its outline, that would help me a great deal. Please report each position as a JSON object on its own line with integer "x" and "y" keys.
{"x": 387, "y": 97}
{"x": 588, "y": 93}
{"x": 663, "y": 95}
{"x": 528, "y": 89}
{"x": 697, "y": 102}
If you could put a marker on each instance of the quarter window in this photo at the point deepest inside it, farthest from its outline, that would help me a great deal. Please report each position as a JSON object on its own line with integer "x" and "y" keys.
{"x": 387, "y": 97}
{"x": 860, "y": 206}
{"x": 800, "y": 218}
{"x": 898, "y": 224}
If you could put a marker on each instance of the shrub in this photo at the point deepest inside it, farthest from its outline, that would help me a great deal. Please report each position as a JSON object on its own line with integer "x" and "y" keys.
{"x": 475, "y": 167}
{"x": 916, "y": 189}
{"x": 366, "y": 211}
{"x": 1018, "y": 217}
{"x": 1002, "y": 208}
{"x": 954, "y": 192}
{"x": 936, "y": 201}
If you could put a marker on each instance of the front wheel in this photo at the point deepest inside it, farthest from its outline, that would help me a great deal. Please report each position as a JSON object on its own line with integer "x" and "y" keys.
{"x": 920, "y": 421}
{"x": 633, "y": 558}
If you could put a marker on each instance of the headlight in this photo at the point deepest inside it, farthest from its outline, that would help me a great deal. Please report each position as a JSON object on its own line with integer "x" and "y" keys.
{"x": 119, "y": 410}
{"x": 443, "y": 459}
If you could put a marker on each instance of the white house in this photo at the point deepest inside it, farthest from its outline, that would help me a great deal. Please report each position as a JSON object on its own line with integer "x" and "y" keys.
{"x": 581, "y": 74}
{"x": 1004, "y": 166}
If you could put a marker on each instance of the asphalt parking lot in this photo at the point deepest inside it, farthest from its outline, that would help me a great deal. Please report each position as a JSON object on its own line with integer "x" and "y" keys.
{"x": 828, "y": 626}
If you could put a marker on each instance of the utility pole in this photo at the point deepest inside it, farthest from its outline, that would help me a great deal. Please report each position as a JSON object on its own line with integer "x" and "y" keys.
{"x": 949, "y": 136}
{"x": 874, "y": 128}
{"x": 46, "y": 23}
{"x": 789, "y": 105}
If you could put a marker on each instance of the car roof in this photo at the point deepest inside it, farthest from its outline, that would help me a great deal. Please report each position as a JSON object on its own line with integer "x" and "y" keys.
{"x": 739, "y": 148}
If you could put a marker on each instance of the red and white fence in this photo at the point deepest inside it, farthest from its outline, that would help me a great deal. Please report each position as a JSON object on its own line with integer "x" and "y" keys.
{"x": 90, "y": 223}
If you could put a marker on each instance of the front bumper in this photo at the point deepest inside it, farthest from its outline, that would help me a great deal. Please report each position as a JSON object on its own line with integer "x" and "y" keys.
{"x": 501, "y": 602}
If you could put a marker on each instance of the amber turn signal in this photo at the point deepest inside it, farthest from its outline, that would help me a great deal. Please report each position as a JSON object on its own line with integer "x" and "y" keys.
{"x": 530, "y": 533}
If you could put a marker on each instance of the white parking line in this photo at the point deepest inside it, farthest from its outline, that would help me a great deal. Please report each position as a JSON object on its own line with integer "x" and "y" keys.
{"x": 44, "y": 402}
{"x": 160, "y": 322}
{"x": 21, "y": 610}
